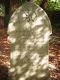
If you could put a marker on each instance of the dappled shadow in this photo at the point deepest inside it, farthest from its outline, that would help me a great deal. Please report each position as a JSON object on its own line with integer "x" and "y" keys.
{"x": 29, "y": 30}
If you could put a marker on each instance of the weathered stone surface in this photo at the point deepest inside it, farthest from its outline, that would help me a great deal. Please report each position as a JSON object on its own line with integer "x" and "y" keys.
{"x": 29, "y": 32}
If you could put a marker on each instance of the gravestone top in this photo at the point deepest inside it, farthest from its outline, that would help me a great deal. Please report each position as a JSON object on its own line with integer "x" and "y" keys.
{"x": 29, "y": 31}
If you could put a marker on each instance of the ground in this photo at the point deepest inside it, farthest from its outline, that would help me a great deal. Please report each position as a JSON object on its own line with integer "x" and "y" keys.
{"x": 54, "y": 53}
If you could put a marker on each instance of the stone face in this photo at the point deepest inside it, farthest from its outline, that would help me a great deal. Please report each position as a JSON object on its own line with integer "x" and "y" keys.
{"x": 29, "y": 31}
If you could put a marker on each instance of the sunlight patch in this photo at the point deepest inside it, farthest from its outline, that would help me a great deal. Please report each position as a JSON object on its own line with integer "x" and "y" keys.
{"x": 22, "y": 78}
{"x": 11, "y": 27}
{"x": 12, "y": 70}
{"x": 23, "y": 55}
{"x": 27, "y": 25}
{"x": 44, "y": 60}
{"x": 37, "y": 22}
{"x": 29, "y": 43}
{"x": 38, "y": 31}
{"x": 11, "y": 39}
{"x": 42, "y": 75}
{"x": 24, "y": 15}
{"x": 18, "y": 69}
{"x": 46, "y": 37}
{"x": 15, "y": 54}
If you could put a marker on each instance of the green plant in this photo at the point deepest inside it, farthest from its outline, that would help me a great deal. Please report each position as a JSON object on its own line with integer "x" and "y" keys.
{"x": 2, "y": 10}
{"x": 53, "y": 5}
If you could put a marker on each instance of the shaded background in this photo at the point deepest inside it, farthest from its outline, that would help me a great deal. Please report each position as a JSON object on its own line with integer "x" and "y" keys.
{"x": 52, "y": 7}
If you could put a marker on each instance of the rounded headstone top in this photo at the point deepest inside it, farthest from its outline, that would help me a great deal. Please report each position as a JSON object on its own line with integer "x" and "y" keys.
{"x": 29, "y": 15}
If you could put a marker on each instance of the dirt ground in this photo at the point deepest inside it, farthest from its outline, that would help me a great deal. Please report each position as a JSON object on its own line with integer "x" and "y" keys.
{"x": 54, "y": 55}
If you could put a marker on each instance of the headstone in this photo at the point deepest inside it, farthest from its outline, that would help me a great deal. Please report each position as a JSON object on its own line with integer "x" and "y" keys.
{"x": 29, "y": 31}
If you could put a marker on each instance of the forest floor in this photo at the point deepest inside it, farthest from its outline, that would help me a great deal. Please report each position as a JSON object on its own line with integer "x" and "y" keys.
{"x": 54, "y": 55}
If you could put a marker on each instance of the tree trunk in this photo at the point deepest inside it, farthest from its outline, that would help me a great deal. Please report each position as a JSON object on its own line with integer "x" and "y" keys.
{"x": 13, "y": 5}
{"x": 7, "y": 12}
{"x": 43, "y": 4}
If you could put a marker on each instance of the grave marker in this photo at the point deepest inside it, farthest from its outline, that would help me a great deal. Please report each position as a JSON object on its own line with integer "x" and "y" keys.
{"x": 29, "y": 31}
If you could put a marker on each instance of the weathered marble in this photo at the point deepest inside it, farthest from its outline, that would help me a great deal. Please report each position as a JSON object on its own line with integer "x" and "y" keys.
{"x": 29, "y": 31}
